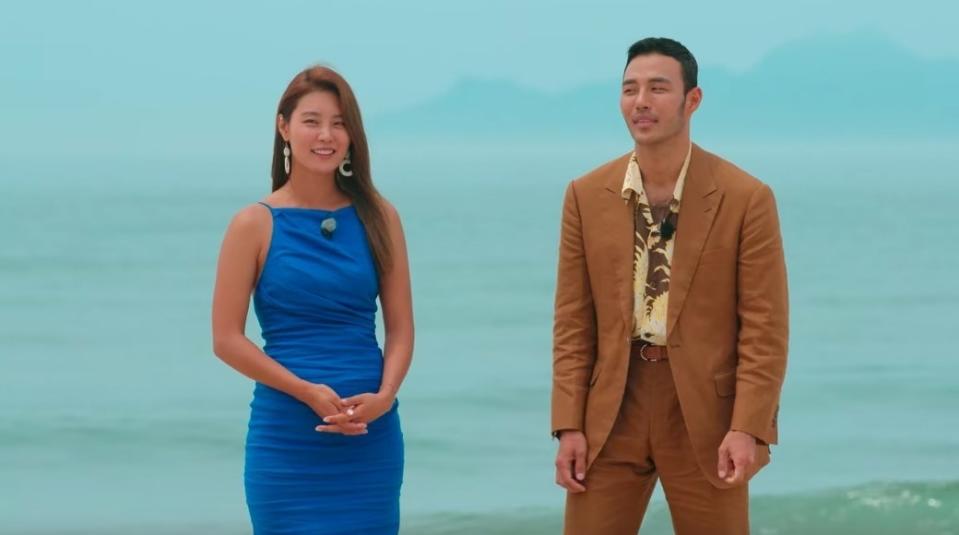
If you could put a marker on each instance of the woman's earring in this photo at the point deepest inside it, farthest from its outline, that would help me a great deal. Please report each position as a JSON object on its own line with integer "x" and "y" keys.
{"x": 286, "y": 158}
{"x": 346, "y": 166}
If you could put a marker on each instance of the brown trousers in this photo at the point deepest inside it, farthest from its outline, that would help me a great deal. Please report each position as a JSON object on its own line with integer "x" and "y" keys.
{"x": 649, "y": 441}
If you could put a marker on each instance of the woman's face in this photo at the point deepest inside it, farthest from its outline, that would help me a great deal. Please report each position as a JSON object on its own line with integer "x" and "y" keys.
{"x": 316, "y": 133}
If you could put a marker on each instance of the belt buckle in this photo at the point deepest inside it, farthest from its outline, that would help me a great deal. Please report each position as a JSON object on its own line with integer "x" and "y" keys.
{"x": 642, "y": 354}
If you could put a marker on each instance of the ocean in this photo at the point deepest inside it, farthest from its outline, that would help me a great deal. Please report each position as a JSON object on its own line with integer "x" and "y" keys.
{"x": 116, "y": 417}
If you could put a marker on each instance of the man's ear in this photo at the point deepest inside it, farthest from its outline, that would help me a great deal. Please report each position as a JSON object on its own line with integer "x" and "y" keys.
{"x": 693, "y": 99}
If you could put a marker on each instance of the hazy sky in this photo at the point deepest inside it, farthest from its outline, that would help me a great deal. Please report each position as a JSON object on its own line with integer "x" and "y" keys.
{"x": 400, "y": 52}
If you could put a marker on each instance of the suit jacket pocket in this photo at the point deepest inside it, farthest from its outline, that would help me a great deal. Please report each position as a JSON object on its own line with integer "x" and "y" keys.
{"x": 726, "y": 383}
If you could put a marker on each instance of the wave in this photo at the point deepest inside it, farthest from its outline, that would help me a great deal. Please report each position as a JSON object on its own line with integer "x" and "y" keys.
{"x": 917, "y": 508}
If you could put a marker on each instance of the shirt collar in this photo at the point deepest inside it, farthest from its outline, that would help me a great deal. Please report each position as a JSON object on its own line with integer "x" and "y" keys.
{"x": 633, "y": 182}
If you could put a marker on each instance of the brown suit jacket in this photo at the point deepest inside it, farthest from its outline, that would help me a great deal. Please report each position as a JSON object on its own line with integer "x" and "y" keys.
{"x": 727, "y": 314}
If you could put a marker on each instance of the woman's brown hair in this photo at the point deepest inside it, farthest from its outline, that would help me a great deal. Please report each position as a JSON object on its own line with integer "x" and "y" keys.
{"x": 358, "y": 187}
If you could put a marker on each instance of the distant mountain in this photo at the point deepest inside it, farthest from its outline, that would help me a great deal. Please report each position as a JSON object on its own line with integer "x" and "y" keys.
{"x": 501, "y": 109}
{"x": 834, "y": 86}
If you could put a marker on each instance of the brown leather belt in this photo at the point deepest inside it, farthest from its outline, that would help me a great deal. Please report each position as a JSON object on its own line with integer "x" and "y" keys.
{"x": 648, "y": 352}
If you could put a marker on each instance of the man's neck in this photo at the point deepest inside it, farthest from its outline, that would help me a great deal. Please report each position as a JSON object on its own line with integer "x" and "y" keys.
{"x": 661, "y": 163}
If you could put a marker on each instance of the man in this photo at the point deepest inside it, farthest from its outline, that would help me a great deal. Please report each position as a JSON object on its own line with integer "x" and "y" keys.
{"x": 671, "y": 320}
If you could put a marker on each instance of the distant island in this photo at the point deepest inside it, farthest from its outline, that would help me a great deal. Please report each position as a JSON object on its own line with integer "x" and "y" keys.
{"x": 828, "y": 87}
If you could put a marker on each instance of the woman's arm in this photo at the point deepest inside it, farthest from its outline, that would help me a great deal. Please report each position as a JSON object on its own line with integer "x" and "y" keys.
{"x": 397, "y": 300}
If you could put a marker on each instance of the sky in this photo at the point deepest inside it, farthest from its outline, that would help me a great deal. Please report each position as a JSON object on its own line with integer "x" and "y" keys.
{"x": 86, "y": 60}
{"x": 399, "y": 53}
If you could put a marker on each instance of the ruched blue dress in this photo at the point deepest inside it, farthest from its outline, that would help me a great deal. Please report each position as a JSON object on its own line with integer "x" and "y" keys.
{"x": 316, "y": 304}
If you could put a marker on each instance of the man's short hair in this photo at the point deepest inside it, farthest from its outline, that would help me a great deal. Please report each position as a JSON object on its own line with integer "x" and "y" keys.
{"x": 673, "y": 49}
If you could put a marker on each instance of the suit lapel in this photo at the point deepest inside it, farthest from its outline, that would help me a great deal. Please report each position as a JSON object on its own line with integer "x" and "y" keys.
{"x": 618, "y": 225}
{"x": 697, "y": 210}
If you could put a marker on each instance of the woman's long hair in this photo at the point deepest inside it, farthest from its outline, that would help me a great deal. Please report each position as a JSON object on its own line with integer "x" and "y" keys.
{"x": 359, "y": 187}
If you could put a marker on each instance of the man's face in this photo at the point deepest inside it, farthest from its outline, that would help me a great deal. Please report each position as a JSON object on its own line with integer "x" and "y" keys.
{"x": 653, "y": 102}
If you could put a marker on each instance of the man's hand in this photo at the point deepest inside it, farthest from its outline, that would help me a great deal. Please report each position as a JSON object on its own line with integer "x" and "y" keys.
{"x": 571, "y": 461}
{"x": 737, "y": 457}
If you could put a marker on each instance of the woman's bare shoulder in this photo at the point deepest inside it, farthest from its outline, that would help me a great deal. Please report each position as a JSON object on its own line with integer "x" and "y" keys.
{"x": 251, "y": 220}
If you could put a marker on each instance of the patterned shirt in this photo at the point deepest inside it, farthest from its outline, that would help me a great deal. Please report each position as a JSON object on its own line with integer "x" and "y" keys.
{"x": 653, "y": 254}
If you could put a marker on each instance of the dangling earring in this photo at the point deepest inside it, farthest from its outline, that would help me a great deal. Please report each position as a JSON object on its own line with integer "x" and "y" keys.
{"x": 286, "y": 158}
{"x": 346, "y": 166}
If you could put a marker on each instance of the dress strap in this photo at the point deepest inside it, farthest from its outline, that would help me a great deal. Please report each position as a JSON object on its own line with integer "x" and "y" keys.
{"x": 270, "y": 208}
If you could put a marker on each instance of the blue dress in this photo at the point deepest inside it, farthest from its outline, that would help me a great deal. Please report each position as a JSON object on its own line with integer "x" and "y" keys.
{"x": 316, "y": 304}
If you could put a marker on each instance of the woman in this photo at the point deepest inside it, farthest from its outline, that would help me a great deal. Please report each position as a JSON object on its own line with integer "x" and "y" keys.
{"x": 324, "y": 450}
